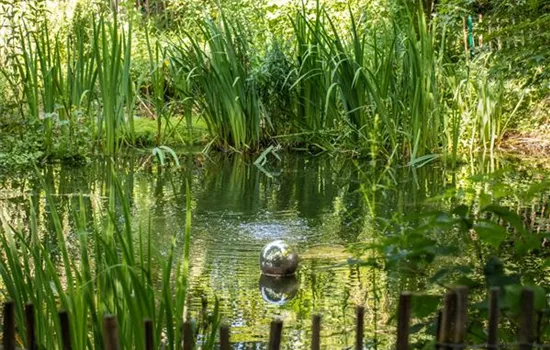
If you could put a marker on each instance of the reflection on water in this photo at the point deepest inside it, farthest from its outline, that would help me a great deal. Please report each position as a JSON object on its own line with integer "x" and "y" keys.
{"x": 317, "y": 204}
{"x": 278, "y": 290}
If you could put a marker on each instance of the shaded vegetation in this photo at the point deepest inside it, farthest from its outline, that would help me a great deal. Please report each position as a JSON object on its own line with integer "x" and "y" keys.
{"x": 407, "y": 82}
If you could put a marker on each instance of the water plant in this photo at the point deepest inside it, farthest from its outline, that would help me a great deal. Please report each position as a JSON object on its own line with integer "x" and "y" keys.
{"x": 113, "y": 54}
{"x": 106, "y": 268}
{"x": 221, "y": 79}
{"x": 382, "y": 84}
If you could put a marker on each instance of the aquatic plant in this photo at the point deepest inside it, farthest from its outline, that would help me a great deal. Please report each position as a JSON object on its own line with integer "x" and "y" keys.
{"x": 103, "y": 266}
{"x": 477, "y": 241}
{"x": 220, "y": 73}
{"x": 112, "y": 49}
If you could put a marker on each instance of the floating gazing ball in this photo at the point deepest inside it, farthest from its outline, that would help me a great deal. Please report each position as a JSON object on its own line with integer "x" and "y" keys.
{"x": 278, "y": 290}
{"x": 278, "y": 259}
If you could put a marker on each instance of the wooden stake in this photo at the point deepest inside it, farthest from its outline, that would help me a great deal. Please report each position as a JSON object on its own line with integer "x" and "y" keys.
{"x": 149, "y": 335}
{"x": 447, "y": 320}
{"x": 188, "y": 338}
{"x": 403, "y": 321}
{"x": 461, "y": 315}
{"x": 110, "y": 333}
{"x": 359, "y": 326}
{"x": 438, "y": 328}
{"x": 30, "y": 326}
{"x": 316, "y": 332}
{"x": 494, "y": 314}
{"x": 224, "y": 338}
{"x": 65, "y": 330}
{"x": 526, "y": 323}
{"x": 275, "y": 335}
{"x": 9, "y": 326}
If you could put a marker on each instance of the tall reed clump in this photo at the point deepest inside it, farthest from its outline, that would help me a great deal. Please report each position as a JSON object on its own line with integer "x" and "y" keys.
{"x": 220, "y": 67}
{"x": 32, "y": 70}
{"x": 381, "y": 84}
{"x": 480, "y": 102}
{"x": 158, "y": 69}
{"x": 54, "y": 80}
{"x": 314, "y": 107}
{"x": 103, "y": 267}
{"x": 112, "y": 48}
{"x": 422, "y": 120}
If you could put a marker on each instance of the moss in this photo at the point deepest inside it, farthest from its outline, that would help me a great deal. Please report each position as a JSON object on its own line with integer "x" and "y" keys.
{"x": 175, "y": 134}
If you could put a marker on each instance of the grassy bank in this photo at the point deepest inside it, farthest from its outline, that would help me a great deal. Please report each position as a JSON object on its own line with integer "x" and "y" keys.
{"x": 387, "y": 85}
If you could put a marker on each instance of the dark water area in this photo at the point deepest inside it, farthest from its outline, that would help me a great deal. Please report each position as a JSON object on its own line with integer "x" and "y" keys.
{"x": 321, "y": 205}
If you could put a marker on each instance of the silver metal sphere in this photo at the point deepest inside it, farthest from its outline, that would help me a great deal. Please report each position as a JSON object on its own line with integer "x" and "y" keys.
{"x": 278, "y": 259}
{"x": 278, "y": 290}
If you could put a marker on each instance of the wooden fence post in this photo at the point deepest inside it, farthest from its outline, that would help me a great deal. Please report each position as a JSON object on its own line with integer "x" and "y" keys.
{"x": 224, "y": 338}
{"x": 275, "y": 335}
{"x": 149, "y": 334}
{"x": 110, "y": 333}
{"x": 30, "y": 326}
{"x": 447, "y": 320}
{"x": 438, "y": 327}
{"x": 359, "y": 326}
{"x": 188, "y": 338}
{"x": 9, "y": 326}
{"x": 65, "y": 330}
{"x": 494, "y": 314}
{"x": 316, "y": 332}
{"x": 526, "y": 323}
{"x": 403, "y": 321}
{"x": 461, "y": 316}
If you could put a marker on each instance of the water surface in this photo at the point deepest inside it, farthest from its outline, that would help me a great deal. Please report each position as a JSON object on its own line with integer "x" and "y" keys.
{"x": 321, "y": 205}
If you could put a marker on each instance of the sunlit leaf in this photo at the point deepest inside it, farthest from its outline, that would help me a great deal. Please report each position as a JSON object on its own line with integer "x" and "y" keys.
{"x": 506, "y": 214}
{"x": 490, "y": 233}
{"x": 424, "y": 305}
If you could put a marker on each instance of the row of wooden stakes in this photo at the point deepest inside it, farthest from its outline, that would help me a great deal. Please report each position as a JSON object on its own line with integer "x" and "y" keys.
{"x": 451, "y": 326}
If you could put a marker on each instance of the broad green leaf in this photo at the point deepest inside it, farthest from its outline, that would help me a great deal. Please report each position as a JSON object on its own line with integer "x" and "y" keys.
{"x": 425, "y": 305}
{"x": 461, "y": 210}
{"x": 490, "y": 233}
{"x": 506, "y": 214}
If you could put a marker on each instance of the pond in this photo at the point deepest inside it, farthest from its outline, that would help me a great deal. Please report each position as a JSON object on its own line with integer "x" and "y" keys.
{"x": 321, "y": 205}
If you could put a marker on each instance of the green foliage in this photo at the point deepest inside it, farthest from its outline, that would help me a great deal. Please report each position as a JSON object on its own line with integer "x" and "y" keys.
{"x": 474, "y": 244}
{"x": 106, "y": 268}
{"x": 388, "y": 80}
{"x": 112, "y": 50}
{"x": 273, "y": 82}
{"x": 221, "y": 76}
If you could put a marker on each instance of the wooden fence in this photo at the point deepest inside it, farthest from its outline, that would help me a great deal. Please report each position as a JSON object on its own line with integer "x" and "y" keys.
{"x": 451, "y": 326}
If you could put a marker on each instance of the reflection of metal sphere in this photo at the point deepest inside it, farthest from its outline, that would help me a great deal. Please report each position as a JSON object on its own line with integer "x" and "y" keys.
{"x": 278, "y": 290}
{"x": 278, "y": 259}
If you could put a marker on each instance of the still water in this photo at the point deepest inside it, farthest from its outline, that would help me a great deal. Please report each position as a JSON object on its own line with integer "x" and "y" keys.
{"x": 321, "y": 205}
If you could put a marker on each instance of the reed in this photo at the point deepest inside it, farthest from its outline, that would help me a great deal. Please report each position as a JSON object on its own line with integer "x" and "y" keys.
{"x": 314, "y": 107}
{"x": 52, "y": 81}
{"x": 383, "y": 82}
{"x": 103, "y": 267}
{"x": 382, "y": 89}
{"x": 222, "y": 84}
{"x": 112, "y": 49}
